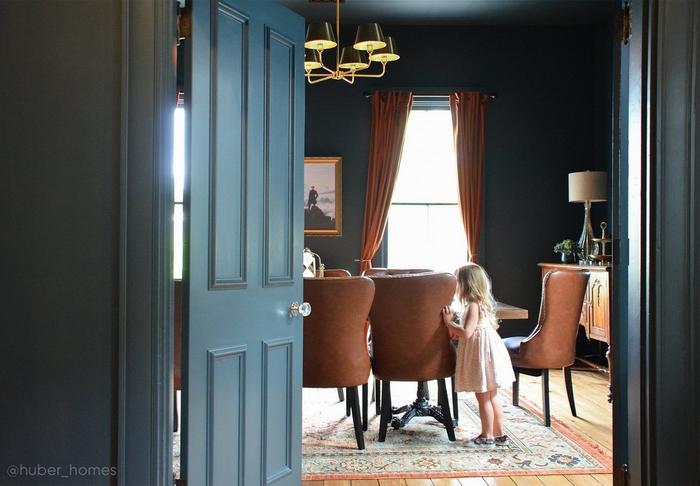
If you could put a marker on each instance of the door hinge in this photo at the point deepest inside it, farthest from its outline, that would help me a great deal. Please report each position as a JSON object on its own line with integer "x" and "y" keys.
{"x": 184, "y": 22}
{"x": 625, "y": 474}
{"x": 623, "y": 24}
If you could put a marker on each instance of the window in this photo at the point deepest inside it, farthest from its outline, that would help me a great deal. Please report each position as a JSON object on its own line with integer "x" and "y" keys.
{"x": 179, "y": 189}
{"x": 425, "y": 226}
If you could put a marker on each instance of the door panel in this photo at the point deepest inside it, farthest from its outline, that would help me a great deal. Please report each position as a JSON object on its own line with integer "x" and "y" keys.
{"x": 279, "y": 80}
{"x": 242, "y": 376}
{"x": 229, "y": 158}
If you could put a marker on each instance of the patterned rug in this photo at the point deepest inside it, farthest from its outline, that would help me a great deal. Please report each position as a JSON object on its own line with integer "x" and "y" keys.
{"x": 423, "y": 450}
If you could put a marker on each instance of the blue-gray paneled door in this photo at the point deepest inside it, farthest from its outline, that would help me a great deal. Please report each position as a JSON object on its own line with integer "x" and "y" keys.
{"x": 242, "y": 376}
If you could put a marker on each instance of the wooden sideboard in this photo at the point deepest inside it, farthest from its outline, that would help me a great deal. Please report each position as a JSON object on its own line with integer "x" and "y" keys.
{"x": 595, "y": 313}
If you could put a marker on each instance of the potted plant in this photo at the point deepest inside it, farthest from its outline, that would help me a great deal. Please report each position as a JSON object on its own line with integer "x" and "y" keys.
{"x": 568, "y": 249}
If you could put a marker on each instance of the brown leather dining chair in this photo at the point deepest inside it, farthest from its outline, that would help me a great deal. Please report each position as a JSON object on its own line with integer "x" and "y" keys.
{"x": 409, "y": 339}
{"x": 553, "y": 342}
{"x": 335, "y": 344}
{"x": 335, "y": 273}
{"x": 338, "y": 273}
{"x": 376, "y": 392}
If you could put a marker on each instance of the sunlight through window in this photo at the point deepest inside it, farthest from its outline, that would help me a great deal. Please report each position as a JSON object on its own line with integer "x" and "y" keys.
{"x": 425, "y": 227}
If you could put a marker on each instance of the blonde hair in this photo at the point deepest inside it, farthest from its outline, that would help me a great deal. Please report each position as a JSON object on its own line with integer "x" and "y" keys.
{"x": 474, "y": 285}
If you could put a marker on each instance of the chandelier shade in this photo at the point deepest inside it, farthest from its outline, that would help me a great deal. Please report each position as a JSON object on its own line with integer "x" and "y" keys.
{"x": 386, "y": 54}
{"x": 369, "y": 37}
{"x": 352, "y": 59}
{"x": 312, "y": 59}
{"x": 320, "y": 36}
{"x": 355, "y": 61}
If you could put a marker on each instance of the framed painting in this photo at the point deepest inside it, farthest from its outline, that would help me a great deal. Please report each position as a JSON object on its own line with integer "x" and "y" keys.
{"x": 323, "y": 197}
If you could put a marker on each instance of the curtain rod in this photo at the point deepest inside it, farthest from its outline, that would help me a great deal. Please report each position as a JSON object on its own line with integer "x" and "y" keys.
{"x": 427, "y": 92}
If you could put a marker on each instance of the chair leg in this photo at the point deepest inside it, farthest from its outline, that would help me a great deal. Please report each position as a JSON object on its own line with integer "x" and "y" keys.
{"x": 354, "y": 400}
{"x": 455, "y": 402}
{"x": 341, "y": 396}
{"x": 365, "y": 405}
{"x": 348, "y": 405}
{"x": 570, "y": 390}
{"x": 545, "y": 397}
{"x": 516, "y": 389}
{"x": 386, "y": 415}
{"x": 444, "y": 403}
{"x": 378, "y": 399}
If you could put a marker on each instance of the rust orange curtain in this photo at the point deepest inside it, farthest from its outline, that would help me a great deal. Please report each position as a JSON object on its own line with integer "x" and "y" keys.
{"x": 390, "y": 111}
{"x": 469, "y": 125}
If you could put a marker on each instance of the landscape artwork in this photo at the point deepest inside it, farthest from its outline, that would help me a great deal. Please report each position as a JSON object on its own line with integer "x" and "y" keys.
{"x": 323, "y": 196}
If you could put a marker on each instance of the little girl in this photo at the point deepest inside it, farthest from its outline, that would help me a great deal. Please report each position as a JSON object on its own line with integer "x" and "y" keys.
{"x": 483, "y": 364}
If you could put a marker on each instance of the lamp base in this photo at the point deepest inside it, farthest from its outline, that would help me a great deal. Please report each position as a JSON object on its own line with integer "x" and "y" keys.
{"x": 585, "y": 241}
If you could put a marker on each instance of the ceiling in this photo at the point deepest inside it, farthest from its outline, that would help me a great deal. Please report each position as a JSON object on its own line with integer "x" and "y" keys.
{"x": 458, "y": 12}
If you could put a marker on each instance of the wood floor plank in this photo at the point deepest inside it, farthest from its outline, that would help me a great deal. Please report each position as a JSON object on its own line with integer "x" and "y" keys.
{"x": 392, "y": 482}
{"x": 419, "y": 482}
{"x": 312, "y": 483}
{"x": 499, "y": 481}
{"x": 472, "y": 482}
{"x": 526, "y": 480}
{"x": 554, "y": 480}
{"x": 582, "y": 480}
{"x": 337, "y": 482}
{"x": 604, "y": 479}
{"x": 446, "y": 482}
{"x": 365, "y": 482}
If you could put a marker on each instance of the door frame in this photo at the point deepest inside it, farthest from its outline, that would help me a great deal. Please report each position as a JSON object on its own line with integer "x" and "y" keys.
{"x": 144, "y": 335}
{"x": 144, "y": 353}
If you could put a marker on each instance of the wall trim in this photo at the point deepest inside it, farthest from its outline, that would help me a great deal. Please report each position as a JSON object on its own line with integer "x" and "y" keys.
{"x": 145, "y": 333}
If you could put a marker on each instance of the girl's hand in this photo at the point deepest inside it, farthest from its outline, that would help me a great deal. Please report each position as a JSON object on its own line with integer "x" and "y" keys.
{"x": 447, "y": 316}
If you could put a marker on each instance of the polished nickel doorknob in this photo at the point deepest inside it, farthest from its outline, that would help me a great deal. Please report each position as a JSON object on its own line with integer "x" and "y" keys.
{"x": 304, "y": 309}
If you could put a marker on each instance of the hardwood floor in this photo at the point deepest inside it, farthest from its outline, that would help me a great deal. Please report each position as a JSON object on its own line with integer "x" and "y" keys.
{"x": 594, "y": 421}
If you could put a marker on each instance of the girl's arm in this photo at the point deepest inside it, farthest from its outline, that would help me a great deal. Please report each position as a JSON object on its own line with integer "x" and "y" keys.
{"x": 456, "y": 330}
{"x": 471, "y": 319}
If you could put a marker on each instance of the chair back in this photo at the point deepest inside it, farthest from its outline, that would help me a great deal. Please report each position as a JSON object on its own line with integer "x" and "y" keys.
{"x": 553, "y": 342}
{"x": 370, "y": 272}
{"x": 335, "y": 341}
{"x": 335, "y": 273}
{"x": 410, "y": 341}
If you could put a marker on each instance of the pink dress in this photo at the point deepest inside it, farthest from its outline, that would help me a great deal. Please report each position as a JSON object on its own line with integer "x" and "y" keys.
{"x": 483, "y": 363}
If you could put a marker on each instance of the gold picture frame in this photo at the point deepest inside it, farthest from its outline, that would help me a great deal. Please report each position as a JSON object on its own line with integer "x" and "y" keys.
{"x": 323, "y": 196}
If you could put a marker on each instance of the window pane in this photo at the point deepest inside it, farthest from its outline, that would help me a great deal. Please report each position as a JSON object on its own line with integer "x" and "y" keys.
{"x": 178, "y": 221}
{"x": 407, "y": 241}
{"x": 425, "y": 226}
{"x": 447, "y": 241}
{"x": 179, "y": 154}
{"x": 425, "y": 236}
{"x": 428, "y": 170}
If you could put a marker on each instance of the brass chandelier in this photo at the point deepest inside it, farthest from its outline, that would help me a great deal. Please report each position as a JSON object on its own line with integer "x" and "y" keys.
{"x": 370, "y": 46}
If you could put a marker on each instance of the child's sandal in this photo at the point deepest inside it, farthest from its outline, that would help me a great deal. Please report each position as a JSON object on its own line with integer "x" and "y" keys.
{"x": 502, "y": 440}
{"x": 480, "y": 441}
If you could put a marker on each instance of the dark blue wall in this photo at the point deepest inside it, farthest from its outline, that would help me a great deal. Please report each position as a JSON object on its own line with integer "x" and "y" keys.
{"x": 552, "y": 116}
{"x": 59, "y": 164}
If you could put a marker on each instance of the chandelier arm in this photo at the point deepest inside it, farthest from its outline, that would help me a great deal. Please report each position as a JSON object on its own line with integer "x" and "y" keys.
{"x": 375, "y": 75}
{"x": 318, "y": 80}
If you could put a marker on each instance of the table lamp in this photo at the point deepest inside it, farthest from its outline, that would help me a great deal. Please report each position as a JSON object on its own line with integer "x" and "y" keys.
{"x": 587, "y": 187}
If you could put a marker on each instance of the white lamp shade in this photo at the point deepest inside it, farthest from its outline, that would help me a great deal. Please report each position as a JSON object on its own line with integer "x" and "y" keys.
{"x": 588, "y": 186}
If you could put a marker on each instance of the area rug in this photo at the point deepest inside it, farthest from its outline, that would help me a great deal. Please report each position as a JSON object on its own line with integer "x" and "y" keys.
{"x": 423, "y": 450}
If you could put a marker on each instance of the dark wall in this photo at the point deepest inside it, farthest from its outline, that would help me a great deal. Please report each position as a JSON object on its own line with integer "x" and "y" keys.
{"x": 59, "y": 166}
{"x": 551, "y": 117}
